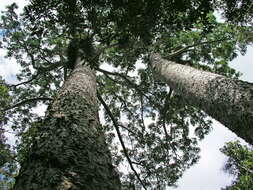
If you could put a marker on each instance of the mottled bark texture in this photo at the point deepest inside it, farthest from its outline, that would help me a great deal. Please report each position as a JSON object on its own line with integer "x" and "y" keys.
{"x": 70, "y": 150}
{"x": 227, "y": 100}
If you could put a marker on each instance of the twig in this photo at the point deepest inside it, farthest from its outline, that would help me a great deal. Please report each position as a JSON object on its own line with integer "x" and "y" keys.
{"x": 164, "y": 113}
{"x": 124, "y": 103}
{"x": 116, "y": 125}
{"x": 142, "y": 112}
{"x": 130, "y": 131}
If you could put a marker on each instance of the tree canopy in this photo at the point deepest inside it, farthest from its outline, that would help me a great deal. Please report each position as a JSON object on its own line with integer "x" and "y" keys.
{"x": 239, "y": 164}
{"x": 120, "y": 34}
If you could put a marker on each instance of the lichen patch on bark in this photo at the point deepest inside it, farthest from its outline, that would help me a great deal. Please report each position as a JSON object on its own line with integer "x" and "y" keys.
{"x": 69, "y": 151}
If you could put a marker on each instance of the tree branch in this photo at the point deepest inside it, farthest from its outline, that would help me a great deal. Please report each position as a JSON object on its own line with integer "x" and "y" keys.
{"x": 28, "y": 53}
{"x": 116, "y": 74}
{"x": 25, "y": 82}
{"x": 41, "y": 70}
{"x": 237, "y": 162}
{"x": 135, "y": 86}
{"x": 246, "y": 169}
{"x": 142, "y": 112}
{"x": 27, "y": 101}
{"x": 116, "y": 125}
{"x": 163, "y": 115}
{"x": 130, "y": 131}
{"x": 184, "y": 49}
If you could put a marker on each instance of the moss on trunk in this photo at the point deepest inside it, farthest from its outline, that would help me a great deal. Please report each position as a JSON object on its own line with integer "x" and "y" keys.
{"x": 69, "y": 151}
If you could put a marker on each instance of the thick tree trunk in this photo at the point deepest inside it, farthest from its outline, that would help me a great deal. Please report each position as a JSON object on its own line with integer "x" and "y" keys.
{"x": 69, "y": 151}
{"x": 226, "y": 100}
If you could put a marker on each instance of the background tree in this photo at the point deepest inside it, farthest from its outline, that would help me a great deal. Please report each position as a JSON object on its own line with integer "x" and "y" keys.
{"x": 239, "y": 164}
{"x": 7, "y": 156}
{"x": 120, "y": 33}
{"x": 212, "y": 93}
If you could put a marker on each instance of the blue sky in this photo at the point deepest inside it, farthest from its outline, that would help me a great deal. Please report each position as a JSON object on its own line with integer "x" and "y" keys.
{"x": 1, "y": 32}
{"x": 207, "y": 174}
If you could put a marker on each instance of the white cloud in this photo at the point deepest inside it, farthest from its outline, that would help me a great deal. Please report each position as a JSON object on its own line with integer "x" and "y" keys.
{"x": 207, "y": 174}
{"x": 8, "y": 69}
{"x": 40, "y": 109}
{"x": 244, "y": 64}
{"x": 20, "y": 3}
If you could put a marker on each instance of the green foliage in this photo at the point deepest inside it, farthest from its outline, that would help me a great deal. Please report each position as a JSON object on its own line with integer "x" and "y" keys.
{"x": 123, "y": 33}
{"x": 237, "y": 11}
{"x": 5, "y": 160}
{"x": 4, "y": 100}
{"x": 239, "y": 164}
{"x": 4, "y": 148}
{"x": 7, "y": 156}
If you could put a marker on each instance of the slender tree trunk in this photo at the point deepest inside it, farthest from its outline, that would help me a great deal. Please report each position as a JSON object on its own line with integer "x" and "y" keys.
{"x": 227, "y": 100}
{"x": 69, "y": 151}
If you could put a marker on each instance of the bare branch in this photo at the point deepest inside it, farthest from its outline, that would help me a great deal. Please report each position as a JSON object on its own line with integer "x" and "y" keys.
{"x": 238, "y": 164}
{"x": 116, "y": 125}
{"x": 246, "y": 169}
{"x": 142, "y": 112}
{"x": 187, "y": 48}
{"x": 116, "y": 74}
{"x": 130, "y": 131}
{"x": 25, "y": 82}
{"x": 163, "y": 114}
{"x": 132, "y": 84}
{"x": 41, "y": 70}
{"x": 27, "y": 101}
{"x": 23, "y": 44}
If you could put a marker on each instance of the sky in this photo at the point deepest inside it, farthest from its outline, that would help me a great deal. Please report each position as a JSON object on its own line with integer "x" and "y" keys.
{"x": 207, "y": 174}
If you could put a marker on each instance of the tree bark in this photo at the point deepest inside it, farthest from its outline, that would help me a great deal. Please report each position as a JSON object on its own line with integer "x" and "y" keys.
{"x": 227, "y": 100}
{"x": 70, "y": 151}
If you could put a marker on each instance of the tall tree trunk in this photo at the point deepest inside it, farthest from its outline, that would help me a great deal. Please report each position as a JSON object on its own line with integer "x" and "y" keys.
{"x": 69, "y": 151}
{"x": 227, "y": 100}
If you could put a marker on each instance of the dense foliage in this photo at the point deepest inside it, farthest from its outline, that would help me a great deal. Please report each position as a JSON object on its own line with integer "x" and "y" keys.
{"x": 7, "y": 162}
{"x": 159, "y": 131}
{"x": 239, "y": 164}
